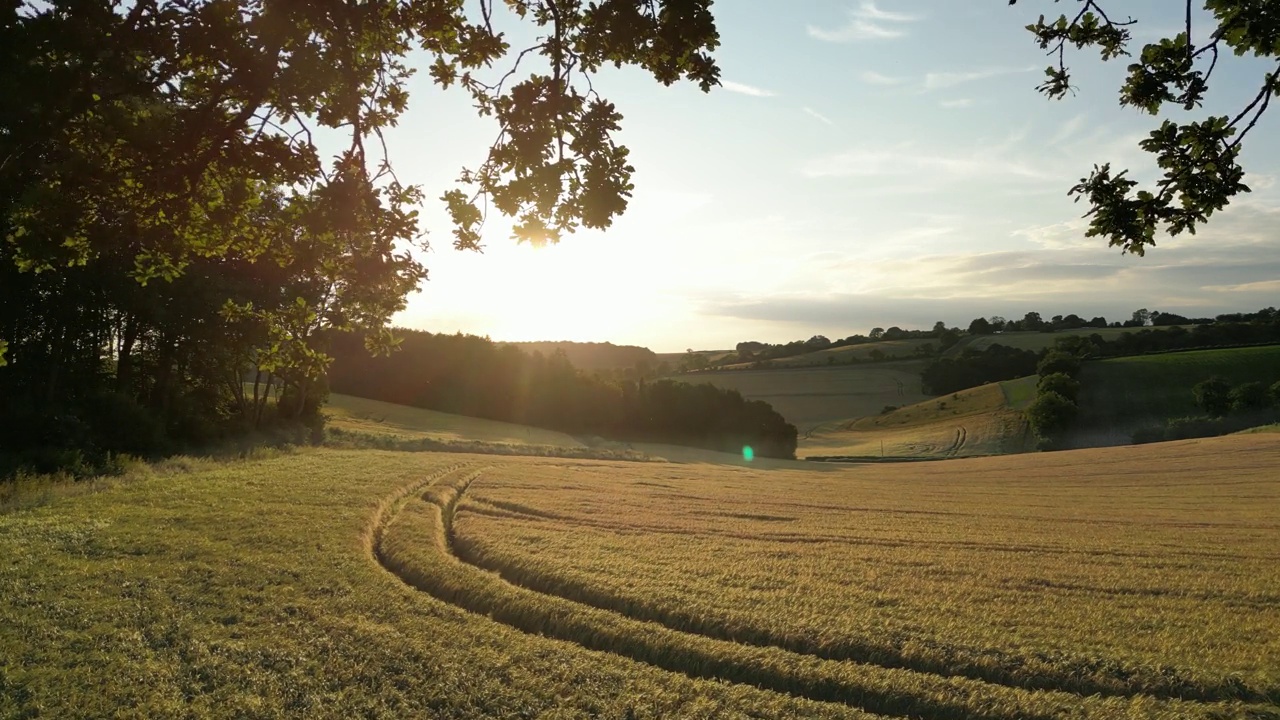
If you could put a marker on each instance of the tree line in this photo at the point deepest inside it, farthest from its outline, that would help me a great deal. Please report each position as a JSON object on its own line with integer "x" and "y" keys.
{"x": 474, "y": 376}
{"x": 971, "y": 368}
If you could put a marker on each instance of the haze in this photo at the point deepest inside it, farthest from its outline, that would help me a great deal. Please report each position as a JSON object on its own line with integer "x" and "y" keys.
{"x": 863, "y": 164}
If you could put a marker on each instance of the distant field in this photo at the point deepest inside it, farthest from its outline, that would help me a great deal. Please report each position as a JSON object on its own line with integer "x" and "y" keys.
{"x": 808, "y": 397}
{"x": 1121, "y": 394}
{"x": 1038, "y": 341}
{"x": 712, "y": 356}
{"x": 977, "y": 421}
{"x": 356, "y": 414}
{"x": 1126, "y": 583}
{"x": 904, "y": 349}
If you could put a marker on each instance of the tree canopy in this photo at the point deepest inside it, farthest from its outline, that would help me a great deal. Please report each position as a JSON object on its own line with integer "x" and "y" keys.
{"x": 169, "y": 224}
{"x": 1199, "y": 159}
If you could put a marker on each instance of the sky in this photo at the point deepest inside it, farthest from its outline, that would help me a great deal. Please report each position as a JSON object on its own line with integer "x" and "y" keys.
{"x": 863, "y": 164}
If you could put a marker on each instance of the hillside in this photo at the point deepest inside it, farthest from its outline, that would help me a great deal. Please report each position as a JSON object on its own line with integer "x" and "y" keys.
{"x": 978, "y": 421}
{"x": 808, "y": 397}
{"x": 355, "y": 414}
{"x": 1120, "y": 395}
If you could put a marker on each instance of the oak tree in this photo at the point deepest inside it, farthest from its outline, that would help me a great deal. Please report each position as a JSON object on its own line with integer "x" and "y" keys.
{"x": 1199, "y": 158}
{"x": 169, "y": 219}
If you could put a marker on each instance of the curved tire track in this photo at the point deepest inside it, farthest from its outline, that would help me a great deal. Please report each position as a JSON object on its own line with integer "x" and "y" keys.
{"x": 411, "y": 536}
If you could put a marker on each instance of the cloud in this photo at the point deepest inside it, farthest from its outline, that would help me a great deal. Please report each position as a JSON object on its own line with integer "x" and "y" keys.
{"x": 907, "y": 160}
{"x": 1269, "y": 286}
{"x": 868, "y": 22}
{"x": 744, "y": 89}
{"x": 943, "y": 80}
{"x": 874, "y": 78}
{"x": 1209, "y": 275}
{"x": 1068, "y": 129}
{"x": 957, "y": 103}
{"x": 819, "y": 116}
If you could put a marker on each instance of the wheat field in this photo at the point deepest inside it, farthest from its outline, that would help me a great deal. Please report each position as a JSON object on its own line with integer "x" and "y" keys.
{"x": 1120, "y": 583}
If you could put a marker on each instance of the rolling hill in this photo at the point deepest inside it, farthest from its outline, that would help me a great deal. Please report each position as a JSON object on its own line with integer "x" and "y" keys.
{"x": 1120, "y": 395}
{"x": 978, "y": 421}
{"x": 355, "y": 414}
{"x": 808, "y": 397}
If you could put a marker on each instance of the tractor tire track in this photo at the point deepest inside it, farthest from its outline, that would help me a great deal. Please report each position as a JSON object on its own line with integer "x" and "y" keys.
{"x": 413, "y": 538}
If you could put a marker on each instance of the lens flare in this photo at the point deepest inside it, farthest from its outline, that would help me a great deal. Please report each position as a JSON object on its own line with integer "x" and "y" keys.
{"x": 748, "y": 454}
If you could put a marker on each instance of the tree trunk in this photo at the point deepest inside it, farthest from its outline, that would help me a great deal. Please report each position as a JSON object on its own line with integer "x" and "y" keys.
{"x": 124, "y": 361}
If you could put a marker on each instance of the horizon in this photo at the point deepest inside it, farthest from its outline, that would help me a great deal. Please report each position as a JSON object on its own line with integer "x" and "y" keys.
{"x": 1117, "y": 318}
{"x": 890, "y": 163}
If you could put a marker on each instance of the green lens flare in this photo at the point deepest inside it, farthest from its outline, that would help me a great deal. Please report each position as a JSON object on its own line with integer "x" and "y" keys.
{"x": 748, "y": 454}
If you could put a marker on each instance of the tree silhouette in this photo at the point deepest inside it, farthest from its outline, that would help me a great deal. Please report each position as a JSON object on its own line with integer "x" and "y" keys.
{"x": 169, "y": 222}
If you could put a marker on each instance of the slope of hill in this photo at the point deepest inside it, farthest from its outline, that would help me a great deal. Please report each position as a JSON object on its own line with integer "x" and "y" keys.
{"x": 808, "y": 397}
{"x": 347, "y": 412}
{"x": 978, "y": 421}
{"x": 1119, "y": 395}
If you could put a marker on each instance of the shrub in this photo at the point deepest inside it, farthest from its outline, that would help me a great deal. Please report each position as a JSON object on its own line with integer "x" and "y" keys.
{"x": 1059, "y": 383}
{"x": 1249, "y": 396}
{"x": 1213, "y": 396}
{"x": 1149, "y": 434}
{"x": 1050, "y": 415}
{"x": 1056, "y": 361}
{"x": 1275, "y": 394}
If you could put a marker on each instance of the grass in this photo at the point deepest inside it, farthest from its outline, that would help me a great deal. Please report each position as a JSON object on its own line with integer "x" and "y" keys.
{"x": 809, "y": 397}
{"x": 1122, "y": 394}
{"x": 1020, "y": 393}
{"x": 359, "y": 415}
{"x": 977, "y": 421}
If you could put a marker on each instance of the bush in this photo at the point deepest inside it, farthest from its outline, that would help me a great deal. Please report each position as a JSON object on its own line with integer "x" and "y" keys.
{"x": 121, "y": 424}
{"x": 1213, "y": 396}
{"x": 1059, "y": 383}
{"x": 1149, "y": 434}
{"x": 1275, "y": 394}
{"x": 1050, "y": 415}
{"x": 1249, "y": 396}
{"x": 1056, "y": 361}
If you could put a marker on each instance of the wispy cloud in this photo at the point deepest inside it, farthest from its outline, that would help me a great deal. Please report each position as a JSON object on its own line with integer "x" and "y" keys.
{"x": 875, "y": 78}
{"x": 942, "y": 80}
{"x": 956, "y": 103}
{"x": 926, "y": 165}
{"x": 1068, "y": 129}
{"x": 867, "y": 22}
{"x": 744, "y": 89}
{"x": 1270, "y": 286}
{"x": 815, "y": 114}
